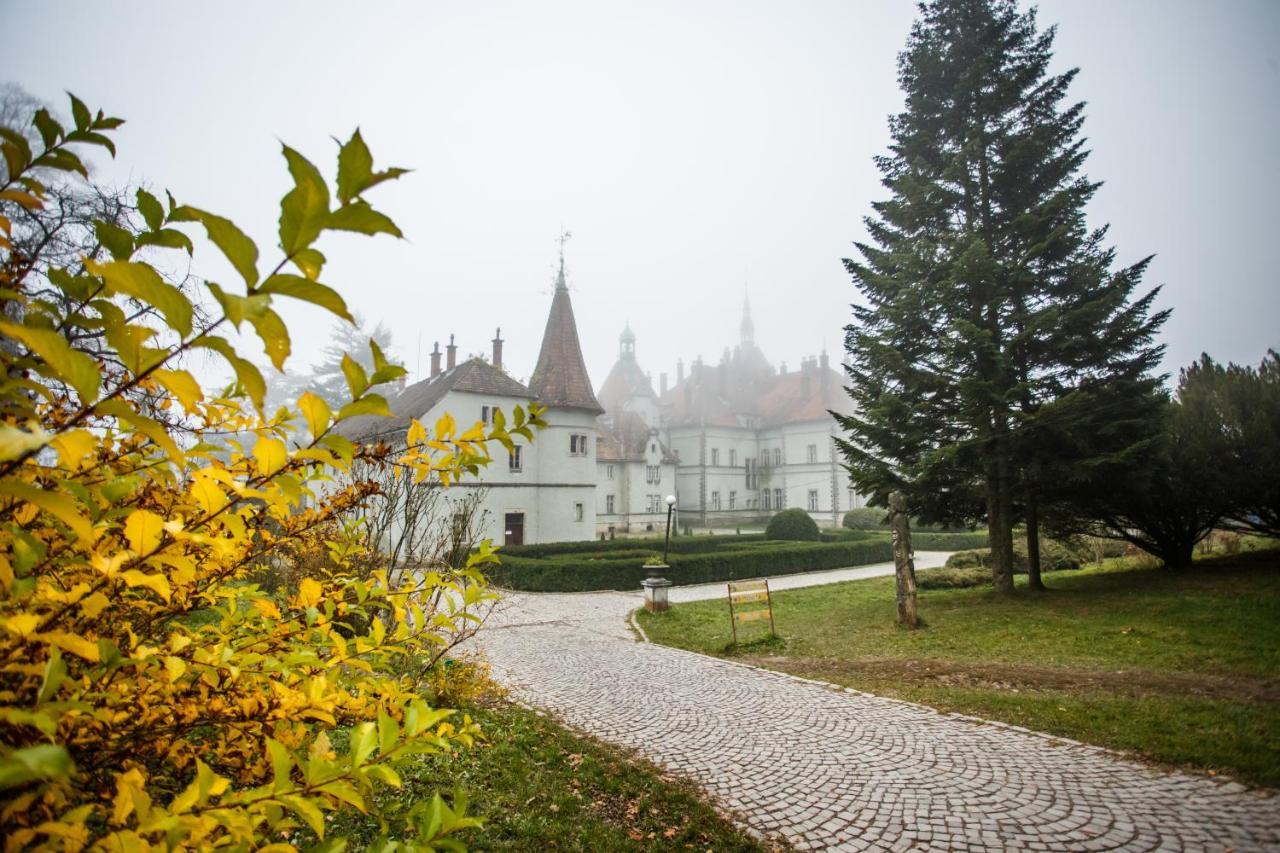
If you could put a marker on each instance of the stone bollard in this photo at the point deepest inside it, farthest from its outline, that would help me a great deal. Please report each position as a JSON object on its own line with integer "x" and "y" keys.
{"x": 655, "y": 588}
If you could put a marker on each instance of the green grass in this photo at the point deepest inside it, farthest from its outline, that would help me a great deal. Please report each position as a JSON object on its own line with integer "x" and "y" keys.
{"x": 539, "y": 786}
{"x": 1180, "y": 667}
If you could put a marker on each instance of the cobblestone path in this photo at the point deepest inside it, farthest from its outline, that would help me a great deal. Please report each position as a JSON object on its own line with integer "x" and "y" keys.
{"x": 832, "y": 769}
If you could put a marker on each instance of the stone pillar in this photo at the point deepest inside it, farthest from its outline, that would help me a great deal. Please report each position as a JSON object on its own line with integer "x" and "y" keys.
{"x": 655, "y": 589}
{"x": 903, "y": 560}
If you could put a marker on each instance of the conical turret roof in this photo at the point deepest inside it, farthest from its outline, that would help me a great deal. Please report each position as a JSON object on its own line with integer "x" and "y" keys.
{"x": 560, "y": 380}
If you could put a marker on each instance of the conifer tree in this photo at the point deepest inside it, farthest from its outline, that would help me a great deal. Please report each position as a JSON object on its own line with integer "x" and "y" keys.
{"x": 348, "y": 340}
{"x": 992, "y": 315}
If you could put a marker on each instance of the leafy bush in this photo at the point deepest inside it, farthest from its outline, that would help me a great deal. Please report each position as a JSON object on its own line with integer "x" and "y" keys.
{"x": 866, "y": 518}
{"x": 571, "y": 573}
{"x": 792, "y": 525}
{"x": 151, "y": 695}
{"x": 951, "y": 577}
{"x": 1054, "y": 557}
{"x": 947, "y": 541}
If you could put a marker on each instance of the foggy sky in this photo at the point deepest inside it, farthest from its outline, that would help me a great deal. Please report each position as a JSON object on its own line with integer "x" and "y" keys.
{"x": 697, "y": 151}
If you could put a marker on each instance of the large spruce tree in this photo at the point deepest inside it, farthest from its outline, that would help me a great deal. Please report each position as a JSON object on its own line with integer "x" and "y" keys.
{"x": 993, "y": 318}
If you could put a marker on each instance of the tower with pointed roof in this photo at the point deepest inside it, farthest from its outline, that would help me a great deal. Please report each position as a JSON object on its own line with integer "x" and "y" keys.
{"x": 567, "y": 446}
{"x": 635, "y": 469}
{"x": 560, "y": 378}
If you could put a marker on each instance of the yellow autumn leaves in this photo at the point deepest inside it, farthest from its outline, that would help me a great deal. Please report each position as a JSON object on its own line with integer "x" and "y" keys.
{"x": 153, "y": 693}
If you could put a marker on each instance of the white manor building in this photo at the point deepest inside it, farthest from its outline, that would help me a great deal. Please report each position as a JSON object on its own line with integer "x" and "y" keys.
{"x": 746, "y": 440}
{"x": 734, "y": 443}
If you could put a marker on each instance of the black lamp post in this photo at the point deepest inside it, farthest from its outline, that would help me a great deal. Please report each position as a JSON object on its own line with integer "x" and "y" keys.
{"x": 671, "y": 505}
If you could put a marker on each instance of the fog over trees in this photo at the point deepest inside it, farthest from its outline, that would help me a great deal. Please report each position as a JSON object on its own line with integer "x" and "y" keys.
{"x": 696, "y": 154}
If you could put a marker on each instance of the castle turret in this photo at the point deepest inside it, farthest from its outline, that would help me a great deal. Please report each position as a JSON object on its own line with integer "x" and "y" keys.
{"x": 560, "y": 379}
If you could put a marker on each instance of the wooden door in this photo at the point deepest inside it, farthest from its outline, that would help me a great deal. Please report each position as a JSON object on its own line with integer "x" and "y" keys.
{"x": 514, "y": 527}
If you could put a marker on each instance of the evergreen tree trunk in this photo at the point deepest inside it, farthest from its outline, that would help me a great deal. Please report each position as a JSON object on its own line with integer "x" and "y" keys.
{"x": 1000, "y": 525}
{"x": 1033, "y": 542}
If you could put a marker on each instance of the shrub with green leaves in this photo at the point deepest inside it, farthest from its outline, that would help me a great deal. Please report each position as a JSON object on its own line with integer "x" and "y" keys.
{"x": 576, "y": 572}
{"x": 866, "y": 518}
{"x": 793, "y": 525}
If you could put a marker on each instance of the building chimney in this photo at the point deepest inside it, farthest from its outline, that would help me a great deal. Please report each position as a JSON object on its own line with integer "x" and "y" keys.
{"x": 497, "y": 349}
{"x": 435, "y": 360}
{"x": 679, "y": 370}
{"x": 451, "y": 360}
{"x": 825, "y": 364}
{"x": 662, "y": 384}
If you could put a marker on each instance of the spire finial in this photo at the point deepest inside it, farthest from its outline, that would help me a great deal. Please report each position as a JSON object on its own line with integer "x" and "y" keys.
{"x": 748, "y": 327}
{"x": 564, "y": 238}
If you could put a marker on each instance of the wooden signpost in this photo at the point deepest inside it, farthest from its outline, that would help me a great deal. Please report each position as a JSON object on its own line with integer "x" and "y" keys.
{"x": 749, "y": 592}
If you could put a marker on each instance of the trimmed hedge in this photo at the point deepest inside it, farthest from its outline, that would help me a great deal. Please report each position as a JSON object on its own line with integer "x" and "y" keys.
{"x": 679, "y": 545}
{"x": 573, "y": 573}
{"x": 926, "y": 541}
{"x": 866, "y": 518}
{"x": 792, "y": 525}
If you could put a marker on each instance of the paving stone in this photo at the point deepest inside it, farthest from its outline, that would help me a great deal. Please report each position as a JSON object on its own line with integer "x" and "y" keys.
{"x": 840, "y": 770}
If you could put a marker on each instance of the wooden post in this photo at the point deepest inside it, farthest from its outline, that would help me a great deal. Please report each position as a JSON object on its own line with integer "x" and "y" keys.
{"x": 769, "y": 597}
{"x": 903, "y": 560}
{"x": 733, "y": 623}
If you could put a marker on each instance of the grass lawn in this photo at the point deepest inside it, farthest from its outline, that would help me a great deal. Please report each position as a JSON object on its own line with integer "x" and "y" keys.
{"x": 539, "y": 786}
{"x": 1180, "y": 667}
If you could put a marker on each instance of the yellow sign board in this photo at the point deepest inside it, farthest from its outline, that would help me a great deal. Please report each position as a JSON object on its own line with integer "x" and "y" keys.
{"x": 749, "y": 592}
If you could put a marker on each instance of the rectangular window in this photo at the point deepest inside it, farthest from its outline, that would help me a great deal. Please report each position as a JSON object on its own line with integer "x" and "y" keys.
{"x": 813, "y": 453}
{"x": 733, "y": 500}
{"x": 715, "y": 500}
{"x": 577, "y": 512}
{"x": 486, "y": 414}
{"x": 777, "y": 499}
{"x": 715, "y": 456}
{"x": 768, "y": 502}
{"x": 608, "y": 504}
{"x": 764, "y": 458}
{"x": 608, "y": 471}
{"x": 777, "y": 456}
{"x": 733, "y": 459}
{"x": 813, "y": 500}
{"x": 515, "y": 461}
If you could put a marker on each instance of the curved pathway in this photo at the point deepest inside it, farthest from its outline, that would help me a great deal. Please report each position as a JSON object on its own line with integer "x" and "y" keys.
{"x": 829, "y": 768}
